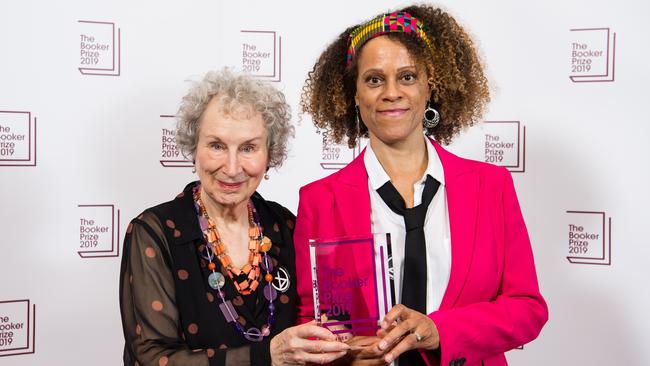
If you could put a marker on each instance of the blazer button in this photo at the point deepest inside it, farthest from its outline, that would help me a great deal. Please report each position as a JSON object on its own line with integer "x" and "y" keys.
{"x": 454, "y": 363}
{"x": 461, "y": 362}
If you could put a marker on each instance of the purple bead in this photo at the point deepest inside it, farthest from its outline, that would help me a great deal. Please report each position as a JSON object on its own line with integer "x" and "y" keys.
{"x": 228, "y": 311}
{"x": 271, "y": 307}
{"x": 270, "y": 293}
{"x": 266, "y": 260}
{"x": 203, "y": 222}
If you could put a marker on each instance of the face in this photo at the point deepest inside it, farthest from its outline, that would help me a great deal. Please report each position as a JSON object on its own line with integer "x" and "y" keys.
{"x": 392, "y": 92}
{"x": 231, "y": 155}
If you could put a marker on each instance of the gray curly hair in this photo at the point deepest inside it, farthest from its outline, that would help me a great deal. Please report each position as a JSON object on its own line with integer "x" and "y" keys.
{"x": 238, "y": 92}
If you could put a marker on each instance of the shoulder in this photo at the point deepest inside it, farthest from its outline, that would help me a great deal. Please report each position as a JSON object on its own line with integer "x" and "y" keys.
{"x": 321, "y": 185}
{"x": 165, "y": 214}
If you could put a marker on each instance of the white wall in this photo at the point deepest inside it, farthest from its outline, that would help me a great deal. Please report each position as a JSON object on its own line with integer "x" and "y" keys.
{"x": 98, "y": 142}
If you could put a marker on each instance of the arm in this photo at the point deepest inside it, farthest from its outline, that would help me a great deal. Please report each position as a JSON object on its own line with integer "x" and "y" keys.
{"x": 515, "y": 315}
{"x": 150, "y": 319}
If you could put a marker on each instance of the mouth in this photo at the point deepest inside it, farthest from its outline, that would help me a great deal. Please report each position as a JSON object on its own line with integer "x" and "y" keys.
{"x": 229, "y": 186}
{"x": 393, "y": 112}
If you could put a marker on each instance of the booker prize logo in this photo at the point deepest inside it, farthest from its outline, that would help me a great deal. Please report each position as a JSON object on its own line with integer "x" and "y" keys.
{"x": 17, "y": 138}
{"x": 99, "y": 231}
{"x": 170, "y": 153}
{"x": 100, "y": 48}
{"x": 336, "y": 156}
{"x": 589, "y": 237}
{"x": 262, "y": 54}
{"x": 17, "y": 327}
{"x": 505, "y": 144}
{"x": 593, "y": 55}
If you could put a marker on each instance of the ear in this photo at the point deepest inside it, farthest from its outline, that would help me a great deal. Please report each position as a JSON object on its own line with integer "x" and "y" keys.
{"x": 356, "y": 100}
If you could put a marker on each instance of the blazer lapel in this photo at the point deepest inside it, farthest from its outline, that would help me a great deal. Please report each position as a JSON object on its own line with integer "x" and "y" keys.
{"x": 462, "y": 187}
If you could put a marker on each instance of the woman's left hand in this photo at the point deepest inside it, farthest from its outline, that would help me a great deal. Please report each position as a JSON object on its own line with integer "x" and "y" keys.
{"x": 404, "y": 329}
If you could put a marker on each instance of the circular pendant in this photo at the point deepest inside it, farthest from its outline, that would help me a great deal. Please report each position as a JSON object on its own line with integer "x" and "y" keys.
{"x": 270, "y": 293}
{"x": 253, "y": 334}
{"x": 281, "y": 280}
{"x": 216, "y": 280}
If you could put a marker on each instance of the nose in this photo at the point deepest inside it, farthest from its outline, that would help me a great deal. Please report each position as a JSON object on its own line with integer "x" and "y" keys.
{"x": 392, "y": 91}
{"x": 232, "y": 167}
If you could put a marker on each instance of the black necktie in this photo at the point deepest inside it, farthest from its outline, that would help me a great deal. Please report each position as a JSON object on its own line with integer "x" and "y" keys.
{"x": 414, "y": 278}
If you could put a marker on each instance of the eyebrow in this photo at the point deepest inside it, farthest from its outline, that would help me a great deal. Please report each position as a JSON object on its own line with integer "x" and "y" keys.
{"x": 409, "y": 67}
{"x": 218, "y": 139}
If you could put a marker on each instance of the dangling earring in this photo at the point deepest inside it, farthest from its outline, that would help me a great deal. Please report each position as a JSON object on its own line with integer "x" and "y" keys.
{"x": 266, "y": 174}
{"x": 431, "y": 117}
{"x": 193, "y": 166}
{"x": 358, "y": 115}
{"x": 358, "y": 118}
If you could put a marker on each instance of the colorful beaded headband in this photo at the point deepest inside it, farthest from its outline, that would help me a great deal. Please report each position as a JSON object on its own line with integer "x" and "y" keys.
{"x": 390, "y": 23}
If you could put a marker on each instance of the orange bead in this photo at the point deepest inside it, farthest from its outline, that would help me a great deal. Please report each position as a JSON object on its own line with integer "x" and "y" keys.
{"x": 254, "y": 285}
{"x": 268, "y": 277}
{"x": 236, "y": 271}
{"x": 246, "y": 268}
{"x": 212, "y": 266}
{"x": 253, "y": 233}
{"x": 266, "y": 244}
{"x": 252, "y": 245}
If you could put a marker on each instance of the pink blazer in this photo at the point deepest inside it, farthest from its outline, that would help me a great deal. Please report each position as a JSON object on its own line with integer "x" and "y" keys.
{"x": 492, "y": 303}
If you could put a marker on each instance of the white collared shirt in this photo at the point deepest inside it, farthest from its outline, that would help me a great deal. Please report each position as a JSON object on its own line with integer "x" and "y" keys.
{"x": 436, "y": 225}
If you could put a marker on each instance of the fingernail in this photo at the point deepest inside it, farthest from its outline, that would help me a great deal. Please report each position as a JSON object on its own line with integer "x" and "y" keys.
{"x": 384, "y": 325}
{"x": 382, "y": 345}
{"x": 388, "y": 358}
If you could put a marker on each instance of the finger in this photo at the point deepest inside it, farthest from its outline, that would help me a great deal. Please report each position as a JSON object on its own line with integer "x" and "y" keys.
{"x": 397, "y": 313}
{"x": 319, "y": 346}
{"x": 399, "y": 331}
{"x": 320, "y": 358}
{"x": 308, "y": 330}
{"x": 407, "y": 343}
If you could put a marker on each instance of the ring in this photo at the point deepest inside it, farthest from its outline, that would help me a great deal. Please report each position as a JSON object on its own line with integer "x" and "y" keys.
{"x": 418, "y": 337}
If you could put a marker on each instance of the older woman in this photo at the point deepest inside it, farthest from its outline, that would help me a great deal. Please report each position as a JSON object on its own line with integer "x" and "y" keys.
{"x": 208, "y": 277}
{"x": 464, "y": 270}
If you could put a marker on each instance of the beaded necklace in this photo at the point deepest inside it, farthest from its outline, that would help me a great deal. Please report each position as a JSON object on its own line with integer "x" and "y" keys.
{"x": 249, "y": 274}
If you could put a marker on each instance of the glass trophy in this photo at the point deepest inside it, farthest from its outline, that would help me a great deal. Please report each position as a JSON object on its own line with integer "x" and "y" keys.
{"x": 352, "y": 283}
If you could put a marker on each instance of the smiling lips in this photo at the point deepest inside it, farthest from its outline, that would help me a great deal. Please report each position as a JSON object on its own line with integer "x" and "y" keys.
{"x": 395, "y": 112}
{"x": 230, "y": 186}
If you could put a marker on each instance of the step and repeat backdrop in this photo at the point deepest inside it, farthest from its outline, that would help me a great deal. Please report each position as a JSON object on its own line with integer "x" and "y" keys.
{"x": 88, "y": 93}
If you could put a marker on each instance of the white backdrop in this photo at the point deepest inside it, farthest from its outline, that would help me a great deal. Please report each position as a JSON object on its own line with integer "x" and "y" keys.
{"x": 569, "y": 118}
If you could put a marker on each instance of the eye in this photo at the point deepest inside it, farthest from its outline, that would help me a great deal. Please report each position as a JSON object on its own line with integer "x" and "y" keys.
{"x": 217, "y": 146}
{"x": 248, "y": 148}
{"x": 409, "y": 77}
{"x": 374, "y": 80}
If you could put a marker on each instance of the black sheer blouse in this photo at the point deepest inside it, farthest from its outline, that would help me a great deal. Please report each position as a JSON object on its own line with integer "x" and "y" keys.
{"x": 170, "y": 315}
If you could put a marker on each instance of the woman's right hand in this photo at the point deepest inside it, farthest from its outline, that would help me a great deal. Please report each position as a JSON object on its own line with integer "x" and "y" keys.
{"x": 293, "y": 346}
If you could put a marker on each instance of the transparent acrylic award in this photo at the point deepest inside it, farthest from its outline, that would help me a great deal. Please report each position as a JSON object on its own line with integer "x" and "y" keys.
{"x": 352, "y": 283}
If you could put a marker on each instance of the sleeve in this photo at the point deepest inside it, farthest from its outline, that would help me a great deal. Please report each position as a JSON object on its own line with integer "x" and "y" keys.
{"x": 302, "y": 233}
{"x": 514, "y": 317}
{"x": 150, "y": 318}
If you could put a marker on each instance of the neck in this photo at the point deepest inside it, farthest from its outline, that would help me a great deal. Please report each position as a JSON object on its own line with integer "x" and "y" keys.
{"x": 222, "y": 214}
{"x": 403, "y": 160}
